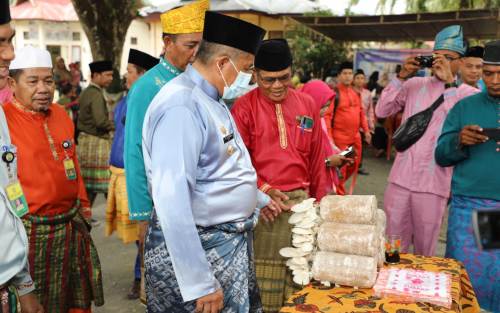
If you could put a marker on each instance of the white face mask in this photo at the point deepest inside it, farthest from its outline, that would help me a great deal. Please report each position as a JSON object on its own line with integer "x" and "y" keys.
{"x": 239, "y": 87}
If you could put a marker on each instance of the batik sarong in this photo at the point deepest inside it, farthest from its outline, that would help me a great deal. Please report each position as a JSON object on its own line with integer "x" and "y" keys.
{"x": 8, "y": 300}
{"x": 93, "y": 155}
{"x": 117, "y": 214}
{"x": 275, "y": 280}
{"x": 228, "y": 249}
{"x": 483, "y": 267}
{"x": 63, "y": 262}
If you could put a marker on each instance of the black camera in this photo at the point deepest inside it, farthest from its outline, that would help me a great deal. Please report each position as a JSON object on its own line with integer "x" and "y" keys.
{"x": 425, "y": 60}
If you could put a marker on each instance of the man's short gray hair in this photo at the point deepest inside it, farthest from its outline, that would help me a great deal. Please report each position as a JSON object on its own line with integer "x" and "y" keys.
{"x": 210, "y": 50}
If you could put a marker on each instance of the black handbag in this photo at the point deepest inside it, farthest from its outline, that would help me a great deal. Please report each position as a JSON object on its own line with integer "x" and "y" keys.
{"x": 414, "y": 127}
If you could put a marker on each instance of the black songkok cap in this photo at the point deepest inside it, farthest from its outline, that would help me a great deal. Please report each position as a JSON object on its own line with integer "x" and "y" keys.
{"x": 4, "y": 12}
{"x": 345, "y": 65}
{"x": 475, "y": 52}
{"x": 100, "y": 66}
{"x": 273, "y": 55}
{"x": 232, "y": 32}
{"x": 492, "y": 53}
{"x": 142, "y": 59}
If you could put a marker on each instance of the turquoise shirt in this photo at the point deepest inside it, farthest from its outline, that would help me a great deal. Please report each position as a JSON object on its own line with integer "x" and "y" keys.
{"x": 138, "y": 100}
{"x": 476, "y": 167}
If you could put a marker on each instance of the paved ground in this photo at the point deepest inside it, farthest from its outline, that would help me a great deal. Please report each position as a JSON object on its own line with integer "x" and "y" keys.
{"x": 117, "y": 259}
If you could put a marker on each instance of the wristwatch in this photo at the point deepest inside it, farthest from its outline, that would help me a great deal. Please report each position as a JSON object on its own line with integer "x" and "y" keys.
{"x": 450, "y": 85}
{"x": 328, "y": 163}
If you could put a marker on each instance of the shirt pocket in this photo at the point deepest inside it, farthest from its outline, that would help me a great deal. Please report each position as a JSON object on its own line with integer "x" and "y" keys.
{"x": 302, "y": 138}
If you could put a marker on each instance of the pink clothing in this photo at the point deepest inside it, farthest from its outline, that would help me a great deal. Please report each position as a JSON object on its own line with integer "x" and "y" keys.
{"x": 415, "y": 169}
{"x": 5, "y": 95}
{"x": 415, "y": 216}
{"x": 367, "y": 102}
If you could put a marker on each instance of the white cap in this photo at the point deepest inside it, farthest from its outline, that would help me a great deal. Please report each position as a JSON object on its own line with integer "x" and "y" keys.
{"x": 31, "y": 57}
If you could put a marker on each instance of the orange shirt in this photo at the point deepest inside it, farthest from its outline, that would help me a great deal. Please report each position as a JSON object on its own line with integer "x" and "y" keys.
{"x": 39, "y": 139}
{"x": 349, "y": 117}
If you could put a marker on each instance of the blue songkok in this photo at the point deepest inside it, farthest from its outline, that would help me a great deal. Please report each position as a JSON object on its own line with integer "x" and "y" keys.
{"x": 451, "y": 38}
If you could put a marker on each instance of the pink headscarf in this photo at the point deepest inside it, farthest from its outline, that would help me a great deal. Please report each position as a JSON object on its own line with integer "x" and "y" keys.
{"x": 319, "y": 91}
{"x": 321, "y": 94}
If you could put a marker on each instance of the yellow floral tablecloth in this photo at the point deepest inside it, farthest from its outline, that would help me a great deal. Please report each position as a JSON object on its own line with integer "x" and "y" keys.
{"x": 316, "y": 298}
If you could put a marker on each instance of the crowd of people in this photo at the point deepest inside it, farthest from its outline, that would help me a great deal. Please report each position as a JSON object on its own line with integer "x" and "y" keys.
{"x": 208, "y": 151}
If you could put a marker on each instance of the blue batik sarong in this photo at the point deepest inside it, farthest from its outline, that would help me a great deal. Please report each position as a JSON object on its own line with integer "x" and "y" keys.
{"x": 229, "y": 250}
{"x": 483, "y": 267}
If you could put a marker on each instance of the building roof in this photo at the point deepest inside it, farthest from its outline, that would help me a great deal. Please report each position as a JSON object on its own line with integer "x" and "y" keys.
{"x": 479, "y": 24}
{"x": 264, "y": 6}
{"x": 48, "y": 10}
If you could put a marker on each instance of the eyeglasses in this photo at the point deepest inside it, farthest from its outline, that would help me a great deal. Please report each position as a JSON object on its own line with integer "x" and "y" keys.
{"x": 271, "y": 80}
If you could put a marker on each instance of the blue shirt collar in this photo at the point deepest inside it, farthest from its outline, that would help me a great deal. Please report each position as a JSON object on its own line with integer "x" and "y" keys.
{"x": 199, "y": 81}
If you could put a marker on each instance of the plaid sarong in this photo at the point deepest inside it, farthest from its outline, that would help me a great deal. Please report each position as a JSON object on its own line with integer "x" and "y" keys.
{"x": 8, "y": 300}
{"x": 93, "y": 155}
{"x": 275, "y": 281}
{"x": 63, "y": 262}
{"x": 117, "y": 214}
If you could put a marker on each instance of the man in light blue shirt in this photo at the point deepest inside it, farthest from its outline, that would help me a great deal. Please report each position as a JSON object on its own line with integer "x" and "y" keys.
{"x": 198, "y": 252}
{"x": 15, "y": 278}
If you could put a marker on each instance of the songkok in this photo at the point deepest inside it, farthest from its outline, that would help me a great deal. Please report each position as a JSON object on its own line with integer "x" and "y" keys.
{"x": 345, "y": 65}
{"x": 186, "y": 19}
{"x": 475, "y": 52}
{"x": 142, "y": 59}
{"x": 273, "y": 55}
{"x": 232, "y": 32}
{"x": 4, "y": 12}
{"x": 492, "y": 53}
{"x": 451, "y": 38}
{"x": 100, "y": 66}
{"x": 31, "y": 57}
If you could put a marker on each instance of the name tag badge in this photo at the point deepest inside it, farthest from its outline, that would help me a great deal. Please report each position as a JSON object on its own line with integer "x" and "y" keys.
{"x": 228, "y": 138}
{"x": 17, "y": 199}
{"x": 306, "y": 122}
{"x": 69, "y": 169}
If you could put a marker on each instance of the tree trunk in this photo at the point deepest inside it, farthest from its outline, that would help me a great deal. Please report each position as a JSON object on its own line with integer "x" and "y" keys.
{"x": 105, "y": 23}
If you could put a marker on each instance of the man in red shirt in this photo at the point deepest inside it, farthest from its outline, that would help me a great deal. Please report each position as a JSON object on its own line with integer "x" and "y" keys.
{"x": 345, "y": 118}
{"x": 282, "y": 131}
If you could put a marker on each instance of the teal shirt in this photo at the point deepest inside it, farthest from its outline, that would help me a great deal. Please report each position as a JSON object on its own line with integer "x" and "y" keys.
{"x": 138, "y": 100}
{"x": 476, "y": 167}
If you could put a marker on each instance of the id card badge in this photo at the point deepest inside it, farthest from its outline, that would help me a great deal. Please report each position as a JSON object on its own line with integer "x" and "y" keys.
{"x": 69, "y": 169}
{"x": 16, "y": 198}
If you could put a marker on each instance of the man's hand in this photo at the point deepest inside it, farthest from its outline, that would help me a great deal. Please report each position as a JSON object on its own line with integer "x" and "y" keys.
{"x": 212, "y": 303}
{"x": 441, "y": 68}
{"x": 337, "y": 160}
{"x": 472, "y": 135}
{"x": 368, "y": 138}
{"x": 409, "y": 69}
{"x": 30, "y": 304}
{"x": 143, "y": 228}
{"x": 269, "y": 212}
{"x": 280, "y": 199}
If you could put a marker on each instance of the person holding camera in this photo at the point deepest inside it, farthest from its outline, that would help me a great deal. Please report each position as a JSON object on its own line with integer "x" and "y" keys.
{"x": 418, "y": 190}
{"x": 470, "y": 141}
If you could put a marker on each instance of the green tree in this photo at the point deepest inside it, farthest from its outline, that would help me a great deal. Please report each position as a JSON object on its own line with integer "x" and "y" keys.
{"x": 313, "y": 53}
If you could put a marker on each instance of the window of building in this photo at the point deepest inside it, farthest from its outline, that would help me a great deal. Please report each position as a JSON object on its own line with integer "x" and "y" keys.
{"x": 76, "y": 36}
{"x": 133, "y": 40}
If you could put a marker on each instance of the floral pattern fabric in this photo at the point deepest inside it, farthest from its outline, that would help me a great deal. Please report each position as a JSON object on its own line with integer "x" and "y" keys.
{"x": 316, "y": 298}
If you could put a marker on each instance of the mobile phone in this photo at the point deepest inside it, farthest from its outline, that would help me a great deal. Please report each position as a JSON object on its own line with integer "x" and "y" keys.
{"x": 349, "y": 152}
{"x": 492, "y": 133}
{"x": 486, "y": 226}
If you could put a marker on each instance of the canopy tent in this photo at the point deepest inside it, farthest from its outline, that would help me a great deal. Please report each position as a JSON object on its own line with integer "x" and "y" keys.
{"x": 479, "y": 24}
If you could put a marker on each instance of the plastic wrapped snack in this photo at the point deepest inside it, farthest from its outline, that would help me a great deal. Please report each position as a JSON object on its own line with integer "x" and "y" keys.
{"x": 349, "y": 239}
{"x": 349, "y": 209}
{"x": 343, "y": 269}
